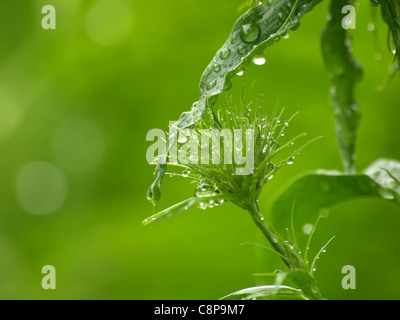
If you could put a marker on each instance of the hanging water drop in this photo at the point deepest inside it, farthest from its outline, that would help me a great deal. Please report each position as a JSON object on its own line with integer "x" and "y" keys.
{"x": 240, "y": 73}
{"x": 182, "y": 139}
{"x": 185, "y": 173}
{"x": 259, "y": 60}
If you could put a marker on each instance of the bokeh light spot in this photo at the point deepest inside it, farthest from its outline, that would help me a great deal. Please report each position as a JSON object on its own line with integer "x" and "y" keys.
{"x": 108, "y": 22}
{"x": 41, "y": 188}
{"x": 78, "y": 145}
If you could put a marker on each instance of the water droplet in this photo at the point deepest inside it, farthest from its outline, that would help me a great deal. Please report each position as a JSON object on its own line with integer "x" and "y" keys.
{"x": 228, "y": 85}
{"x": 323, "y": 250}
{"x": 270, "y": 177}
{"x": 240, "y": 73}
{"x": 204, "y": 190}
{"x": 314, "y": 269}
{"x": 182, "y": 139}
{"x": 290, "y": 161}
{"x": 185, "y": 173}
{"x": 386, "y": 194}
{"x": 242, "y": 50}
{"x": 259, "y": 2}
{"x": 217, "y": 68}
{"x": 259, "y": 60}
{"x": 250, "y": 32}
{"x": 225, "y": 53}
{"x": 371, "y": 27}
{"x": 289, "y": 245}
{"x": 274, "y": 239}
{"x": 211, "y": 85}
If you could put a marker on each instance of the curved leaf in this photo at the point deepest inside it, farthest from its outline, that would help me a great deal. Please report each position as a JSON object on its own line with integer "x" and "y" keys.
{"x": 391, "y": 15}
{"x": 255, "y": 30}
{"x": 323, "y": 189}
{"x": 266, "y": 293}
{"x": 344, "y": 72}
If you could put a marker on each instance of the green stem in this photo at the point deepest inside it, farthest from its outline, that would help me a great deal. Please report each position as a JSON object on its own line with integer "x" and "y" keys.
{"x": 273, "y": 239}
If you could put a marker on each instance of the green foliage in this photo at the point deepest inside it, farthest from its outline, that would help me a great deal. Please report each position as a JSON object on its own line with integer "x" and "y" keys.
{"x": 391, "y": 15}
{"x": 344, "y": 72}
{"x": 217, "y": 183}
{"x": 323, "y": 189}
{"x": 258, "y": 28}
{"x": 255, "y": 30}
{"x": 267, "y": 293}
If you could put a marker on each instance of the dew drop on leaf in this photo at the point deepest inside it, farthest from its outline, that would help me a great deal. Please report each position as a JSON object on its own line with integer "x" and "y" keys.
{"x": 225, "y": 53}
{"x": 242, "y": 50}
{"x": 211, "y": 85}
{"x": 250, "y": 32}
{"x": 217, "y": 67}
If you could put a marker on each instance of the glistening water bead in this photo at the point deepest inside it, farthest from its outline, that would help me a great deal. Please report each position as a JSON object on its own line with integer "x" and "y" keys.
{"x": 250, "y": 32}
{"x": 225, "y": 53}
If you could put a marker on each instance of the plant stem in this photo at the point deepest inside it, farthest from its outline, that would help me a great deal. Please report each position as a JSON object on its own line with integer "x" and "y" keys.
{"x": 273, "y": 240}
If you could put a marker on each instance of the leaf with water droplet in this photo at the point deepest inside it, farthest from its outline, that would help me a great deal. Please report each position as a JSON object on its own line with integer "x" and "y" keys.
{"x": 253, "y": 32}
{"x": 324, "y": 189}
{"x": 391, "y": 15}
{"x": 184, "y": 205}
{"x": 270, "y": 292}
{"x": 344, "y": 72}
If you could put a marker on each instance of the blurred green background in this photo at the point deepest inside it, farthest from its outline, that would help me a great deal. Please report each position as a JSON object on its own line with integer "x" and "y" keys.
{"x": 76, "y": 104}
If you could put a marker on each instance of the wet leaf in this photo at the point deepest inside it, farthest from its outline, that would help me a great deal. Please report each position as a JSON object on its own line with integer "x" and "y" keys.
{"x": 322, "y": 189}
{"x": 344, "y": 72}
{"x": 257, "y": 29}
{"x": 271, "y": 292}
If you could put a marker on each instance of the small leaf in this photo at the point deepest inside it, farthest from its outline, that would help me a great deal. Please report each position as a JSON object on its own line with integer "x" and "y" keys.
{"x": 184, "y": 205}
{"x": 266, "y": 293}
{"x": 323, "y": 189}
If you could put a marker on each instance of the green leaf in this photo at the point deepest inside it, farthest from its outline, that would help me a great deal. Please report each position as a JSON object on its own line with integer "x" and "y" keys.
{"x": 184, "y": 205}
{"x": 258, "y": 28}
{"x": 302, "y": 279}
{"x": 391, "y": 15}
{"x": 322, "y": 189}
{"x": 344, "y": 72}
{"x": 266, "y": 293}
